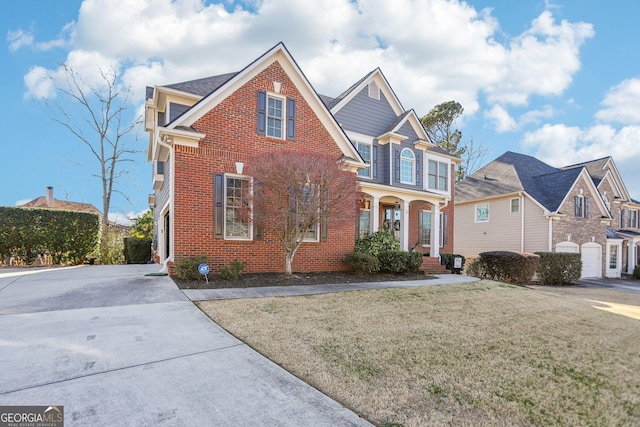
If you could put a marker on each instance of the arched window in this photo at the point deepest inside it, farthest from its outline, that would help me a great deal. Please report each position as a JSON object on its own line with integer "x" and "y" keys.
{"x": 407, "y": 166}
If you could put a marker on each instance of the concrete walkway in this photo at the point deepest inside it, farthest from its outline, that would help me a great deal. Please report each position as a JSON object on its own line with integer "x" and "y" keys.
{"x": 285, "y": 291}
{"x": 118, "y": 348}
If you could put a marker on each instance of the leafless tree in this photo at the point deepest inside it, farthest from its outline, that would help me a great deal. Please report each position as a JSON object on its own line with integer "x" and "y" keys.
{"x": 98, "y": 115}
{"x": 295, "y": 194}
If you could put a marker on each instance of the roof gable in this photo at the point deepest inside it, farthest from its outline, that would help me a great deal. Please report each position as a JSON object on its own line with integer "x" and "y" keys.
{"x": 224, "y": 88}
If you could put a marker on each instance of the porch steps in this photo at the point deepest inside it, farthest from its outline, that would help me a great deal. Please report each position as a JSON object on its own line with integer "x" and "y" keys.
{"x": 432, "y": 266}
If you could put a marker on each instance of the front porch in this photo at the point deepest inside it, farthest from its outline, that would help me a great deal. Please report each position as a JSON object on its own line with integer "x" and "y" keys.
{"x": 416, "y": 220}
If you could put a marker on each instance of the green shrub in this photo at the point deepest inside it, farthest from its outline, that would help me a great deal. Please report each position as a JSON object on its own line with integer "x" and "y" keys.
{"x": 363, "y": 264}
{"x": 136, "y": 250}
{"x": 636, "y": 272}
{"x": 559, "y": 268}
{"x": 448, "y": 260}
{"x": 377, "y": 242}
{"x": 67, "y": 236}
{"x": 233, "y": 271}
{"x": 112, "y": 249}
{"x": 187, "y": 267}
{"x": 510, "y": 267}
{"x": 399, "y": 262}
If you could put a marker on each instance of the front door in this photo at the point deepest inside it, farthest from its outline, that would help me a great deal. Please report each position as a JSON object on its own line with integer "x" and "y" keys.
{"x": 391, "y": 221}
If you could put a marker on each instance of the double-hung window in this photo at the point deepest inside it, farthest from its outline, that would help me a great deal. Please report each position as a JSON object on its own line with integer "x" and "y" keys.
{"x": 407, "y": 166}
{"x": 482, "y": 212}
{"x": 276, "y": 116}
{"x": 515, "y": 205}
{"x": 231, "y": 207}
{"x": 581, "y": 206}
{"x": 438, "y": 175}
{"x": 365, "y": 151}
{"x": 633, "y": 218}
{"x": 424, "y": 230}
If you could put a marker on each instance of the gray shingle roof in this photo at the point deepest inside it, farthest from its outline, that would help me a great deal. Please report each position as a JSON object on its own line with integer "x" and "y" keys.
{"x": 513, "y": 172}
{"x": 204, "y": 86}
{"x": 596, "y": 168}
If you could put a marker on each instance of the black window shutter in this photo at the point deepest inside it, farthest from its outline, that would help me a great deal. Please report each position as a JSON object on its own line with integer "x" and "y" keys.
{"x": 324, "y": 225}
{"x": 586, "y": 207}
{"x": 218, "y": 206}
{"x": 374, "y": 161}
{"x": 418, "y": 168}
{"x": 262, "y": 112}
{"x": 291, "y": 119}
{"x": 397, "y": 161}
{"x": 258, "y": 229}
{"x": 576, "y": 201}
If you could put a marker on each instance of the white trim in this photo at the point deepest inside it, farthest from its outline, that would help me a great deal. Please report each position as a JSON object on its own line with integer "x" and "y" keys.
{"x": 224, "y": 206}
{"x": 475, "y": 213}
{"x": 413, "y": 166}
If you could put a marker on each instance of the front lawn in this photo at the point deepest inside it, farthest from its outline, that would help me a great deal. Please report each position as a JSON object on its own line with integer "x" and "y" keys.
{"x": 482, "y": 353}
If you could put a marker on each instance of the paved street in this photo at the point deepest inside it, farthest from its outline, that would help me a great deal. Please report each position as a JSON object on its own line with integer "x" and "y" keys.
{"x": 118, "y": 348}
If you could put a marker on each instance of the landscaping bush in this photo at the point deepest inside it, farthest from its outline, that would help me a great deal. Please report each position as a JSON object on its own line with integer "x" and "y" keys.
{"x": 399, "y": 262}
{"x": 448, "y": 260}
{"x": 137, "y": 251}
{"x": 474, "y": 267}
{"x": 233, "y": 271}
{"x": 187, "y": 267}
{"x": 511, "y": 267}
{"x": 377, "y": 242}
{"x": 361, "y": 263}
{"x": 559, "y": 268}
{"x": 636, "y": 272}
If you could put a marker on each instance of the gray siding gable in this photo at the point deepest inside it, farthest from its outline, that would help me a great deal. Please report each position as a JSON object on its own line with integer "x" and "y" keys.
{"x": 366, "y": 115}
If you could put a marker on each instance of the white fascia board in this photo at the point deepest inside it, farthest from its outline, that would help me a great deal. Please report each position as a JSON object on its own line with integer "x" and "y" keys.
{"x": 281, "y": 55}
{"x": 382, "y": 83}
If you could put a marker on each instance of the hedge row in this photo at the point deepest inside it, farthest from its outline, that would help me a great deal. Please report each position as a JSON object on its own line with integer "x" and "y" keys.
{"x": 67, "y": 236}
{"x": 552, "y": 268}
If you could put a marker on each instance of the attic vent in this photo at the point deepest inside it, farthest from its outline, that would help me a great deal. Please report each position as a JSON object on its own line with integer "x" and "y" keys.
{"x": 374, "y": 91}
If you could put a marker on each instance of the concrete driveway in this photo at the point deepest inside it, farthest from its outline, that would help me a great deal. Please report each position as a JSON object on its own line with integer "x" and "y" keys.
{"x": 624, "y": 285}
{"x": 118, "y": 348}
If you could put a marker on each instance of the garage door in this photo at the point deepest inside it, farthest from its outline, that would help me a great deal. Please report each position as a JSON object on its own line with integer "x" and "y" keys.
{"x": 591, "y": 260}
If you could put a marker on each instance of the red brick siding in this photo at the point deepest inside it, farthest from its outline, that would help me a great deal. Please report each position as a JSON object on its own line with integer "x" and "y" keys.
{"x": 231, "y": 137}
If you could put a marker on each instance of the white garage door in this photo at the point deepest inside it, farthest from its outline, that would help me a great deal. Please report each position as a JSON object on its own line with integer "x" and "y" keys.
{"x": 591, "y": 260}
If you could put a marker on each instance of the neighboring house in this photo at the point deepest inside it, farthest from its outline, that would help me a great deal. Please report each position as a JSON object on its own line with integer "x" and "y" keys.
{"x": 203, "y": 132}
{"x": 519, "y": 203}
{"x": 49, "y": 202}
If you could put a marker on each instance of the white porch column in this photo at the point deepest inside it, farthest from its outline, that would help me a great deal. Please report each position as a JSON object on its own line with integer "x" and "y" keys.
{"x": 631, "y": 257}
{"x": 374, "y": 221}
{"x": 404, "y": 226}
{"x": 435, "y": 231}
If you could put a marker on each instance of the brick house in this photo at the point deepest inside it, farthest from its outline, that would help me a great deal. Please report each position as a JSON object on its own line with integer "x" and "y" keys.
{"x": 522, "y": 204}
{"x": 203, "y": 132}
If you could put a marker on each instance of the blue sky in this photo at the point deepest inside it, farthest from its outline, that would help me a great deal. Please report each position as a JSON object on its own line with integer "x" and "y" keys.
{"x": 559, "y": 80}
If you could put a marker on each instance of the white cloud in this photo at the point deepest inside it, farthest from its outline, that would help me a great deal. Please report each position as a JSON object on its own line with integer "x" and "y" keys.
{"x": 501, "y": 119}
{"x": 504, "y": 122}
{"x": 541, "y": 61}
{"x": 336, "y": 42}
{"x": 622, "y": 103}
{"x": 18, "y": 39}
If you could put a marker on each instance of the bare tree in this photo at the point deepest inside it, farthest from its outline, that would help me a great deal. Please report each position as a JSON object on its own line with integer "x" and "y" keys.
{"x": 295, "y": 194}
{"x": 474, "y": 156}
{"x": 98, "y": 116}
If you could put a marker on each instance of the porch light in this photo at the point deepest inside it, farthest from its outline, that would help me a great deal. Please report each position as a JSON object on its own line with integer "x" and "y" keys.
{"x": 396, "y": 206}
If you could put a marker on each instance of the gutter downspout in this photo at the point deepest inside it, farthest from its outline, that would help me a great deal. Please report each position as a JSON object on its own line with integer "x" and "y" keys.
{"x": 165, "y": 263}
{"x": 522, "y": 223}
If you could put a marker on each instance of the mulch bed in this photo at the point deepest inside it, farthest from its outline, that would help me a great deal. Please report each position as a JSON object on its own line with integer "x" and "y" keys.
{"x": 253, "y": 280}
